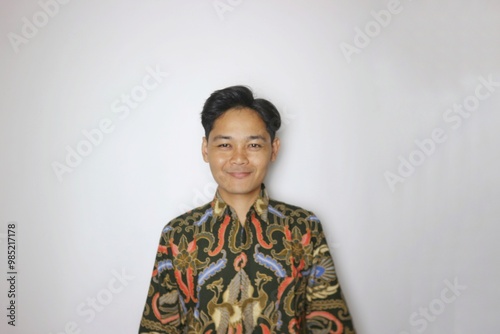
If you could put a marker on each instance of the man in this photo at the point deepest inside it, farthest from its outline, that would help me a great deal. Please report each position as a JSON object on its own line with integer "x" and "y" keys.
{"x": 243, "y": 263}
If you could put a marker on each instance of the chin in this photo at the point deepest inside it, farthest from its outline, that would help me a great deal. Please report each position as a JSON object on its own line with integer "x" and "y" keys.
{"x": 240, "y": 190}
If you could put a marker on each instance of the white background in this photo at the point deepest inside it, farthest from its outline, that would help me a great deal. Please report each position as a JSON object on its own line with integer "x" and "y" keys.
{"x": 348, "y": 120}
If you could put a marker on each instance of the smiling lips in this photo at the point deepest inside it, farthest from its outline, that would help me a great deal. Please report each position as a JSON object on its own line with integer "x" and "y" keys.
{"x": 239, "y": 175}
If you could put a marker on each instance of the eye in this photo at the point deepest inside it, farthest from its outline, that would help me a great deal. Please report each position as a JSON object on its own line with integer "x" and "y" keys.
{"x": 254, "y": 145}
{"x": 225, "y": 145}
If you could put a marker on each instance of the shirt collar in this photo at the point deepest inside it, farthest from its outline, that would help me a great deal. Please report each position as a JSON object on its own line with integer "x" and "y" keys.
{"x": 260, "y": 205}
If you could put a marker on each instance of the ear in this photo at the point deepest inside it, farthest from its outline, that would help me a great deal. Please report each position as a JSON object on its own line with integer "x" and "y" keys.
{"x": 204, "y": 149}
{"x": 275, "y": 148}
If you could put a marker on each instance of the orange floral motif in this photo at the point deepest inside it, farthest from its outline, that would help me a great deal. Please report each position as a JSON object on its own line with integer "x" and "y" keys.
{"x": 186, "y": 262}
{"x": 298, "y": 249}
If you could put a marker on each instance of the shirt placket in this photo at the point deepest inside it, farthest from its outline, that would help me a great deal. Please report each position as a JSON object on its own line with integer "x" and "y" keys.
{"x": 242, "y": 239}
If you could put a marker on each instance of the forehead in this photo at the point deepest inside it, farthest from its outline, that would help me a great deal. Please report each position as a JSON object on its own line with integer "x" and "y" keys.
{"x": 241, "y": 122}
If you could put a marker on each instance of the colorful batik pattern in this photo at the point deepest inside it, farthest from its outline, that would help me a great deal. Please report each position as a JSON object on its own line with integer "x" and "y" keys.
{"x": 273, "y": 274}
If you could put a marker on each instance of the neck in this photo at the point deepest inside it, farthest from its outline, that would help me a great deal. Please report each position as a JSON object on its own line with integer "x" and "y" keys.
{"x": 240, "y": 203}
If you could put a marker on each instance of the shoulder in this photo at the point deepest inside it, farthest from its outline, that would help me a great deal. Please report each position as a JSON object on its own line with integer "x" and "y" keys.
{"x": 189, "y": 218}
{"x": 282, "y": 210}
{"x": 297, "y": 220}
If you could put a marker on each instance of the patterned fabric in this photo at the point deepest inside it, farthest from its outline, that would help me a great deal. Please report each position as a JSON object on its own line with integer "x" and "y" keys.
{"x": 273, "y": 274}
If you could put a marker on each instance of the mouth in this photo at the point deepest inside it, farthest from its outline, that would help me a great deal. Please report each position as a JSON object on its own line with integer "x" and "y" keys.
{"x": 239, "y": 175}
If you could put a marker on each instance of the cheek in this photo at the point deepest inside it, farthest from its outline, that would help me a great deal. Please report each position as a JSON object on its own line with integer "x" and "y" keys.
{"x": 261, "y": 163}
{"x": 217, "y": 162}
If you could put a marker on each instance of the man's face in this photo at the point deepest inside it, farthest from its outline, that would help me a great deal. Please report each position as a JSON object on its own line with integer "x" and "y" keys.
{"x": 239, "y": 151}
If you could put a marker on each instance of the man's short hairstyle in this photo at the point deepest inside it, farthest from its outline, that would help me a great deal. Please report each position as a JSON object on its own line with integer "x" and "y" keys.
{"x": 239, "y": 97}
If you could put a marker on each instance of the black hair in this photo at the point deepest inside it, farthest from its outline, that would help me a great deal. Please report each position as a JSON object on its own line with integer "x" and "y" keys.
{"x": 222, "y": 100}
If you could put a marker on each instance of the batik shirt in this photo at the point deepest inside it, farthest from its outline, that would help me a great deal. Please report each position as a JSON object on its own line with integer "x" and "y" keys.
{"x": 272, "y": 274}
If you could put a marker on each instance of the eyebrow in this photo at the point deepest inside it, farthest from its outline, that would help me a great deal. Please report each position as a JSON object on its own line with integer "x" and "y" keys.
{"x": 254, "y": 137}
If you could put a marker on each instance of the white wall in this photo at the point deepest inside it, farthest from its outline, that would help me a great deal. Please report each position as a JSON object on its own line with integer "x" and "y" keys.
{"x": 352, "y": 111}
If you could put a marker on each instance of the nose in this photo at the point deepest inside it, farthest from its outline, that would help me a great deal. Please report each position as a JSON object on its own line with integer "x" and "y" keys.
{"x": 239, "y": 157}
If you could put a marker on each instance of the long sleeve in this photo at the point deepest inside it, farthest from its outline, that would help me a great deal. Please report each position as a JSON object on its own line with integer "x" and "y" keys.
{"x": 326, "y": 307}
{"x": 161, "y": 313}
